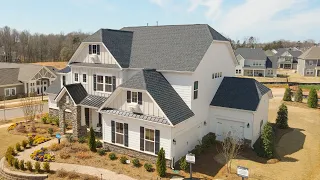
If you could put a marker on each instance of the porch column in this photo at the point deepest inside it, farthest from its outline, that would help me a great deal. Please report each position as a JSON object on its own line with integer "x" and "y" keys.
{"x": 253, "y": 72}
{"x": 316, "y": 72}
{"x": 76, "y": 122}
{"x": 62, "y": 123}
{"x": 291, "y": 65}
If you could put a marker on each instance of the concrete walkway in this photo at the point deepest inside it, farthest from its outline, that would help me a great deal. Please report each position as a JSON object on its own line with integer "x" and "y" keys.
{"x": 106, "y": 174}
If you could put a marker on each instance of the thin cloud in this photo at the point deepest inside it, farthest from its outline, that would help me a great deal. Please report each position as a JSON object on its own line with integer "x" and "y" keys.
{"x": 213, "y": 7}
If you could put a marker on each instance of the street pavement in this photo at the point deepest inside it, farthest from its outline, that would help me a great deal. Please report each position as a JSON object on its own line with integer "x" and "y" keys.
{"x": 17, "y": 112}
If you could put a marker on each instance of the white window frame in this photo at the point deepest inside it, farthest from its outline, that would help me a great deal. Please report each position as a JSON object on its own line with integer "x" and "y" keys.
{"x": 309, "y": 71}
{"x": 84, "y": 78}
{"x": 196, "y": 90}
{"x": 100, "y": 83}
{"x": 119, "y": 133}
{"x": 76, "y": 77}
{"x": 96, "y": 48}
{"x": 10, "y": 91}
{"x": 148, "y": 140}
{"x": 108, "y": 84}
{"x": 134, "y": 98}
{"x": 237, "y": 71}
{"x": 104, "y": 84}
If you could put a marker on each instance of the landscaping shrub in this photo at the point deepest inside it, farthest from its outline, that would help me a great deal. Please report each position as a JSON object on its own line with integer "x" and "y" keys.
{"x": 21, "y": 164}
{"x": 18, "y": 147}
{"x": 161, "y": 163}
{"x": 29, "y": 165}
{"x": 46, "y": 167}
{"x": 50, "y": 131}
{"x": 298, "y": 97}
{"x": 73, "y": 175}
{"x": 123, "y": 159}
{"x": 55, "y": 120}
{"x": 70, "y": 138}
{"x": 82, "y": 139}
{"x": 101, "y": 152}
{"x": 313, "y": 98}
{"x": 79, "y": 147}
{"x": 64, "y": 154}
{"x": 40, "y": 140}
{"x": 21, "y": 128}
{"x": 24, "y": 144}
{"x": 183, "y": 163}
{"x": 16, "y": 163}
{"x": 83, "y": 155}
{"x": 112, "y": 156}
{"x": 42, "y": 155}
{"x": 92, "y": 141}
{"x": 30, "y": 141}
{"x": 208, "y": 140}
{"x": 44, "y": 119}
{"x": 56, "y": 147}
{"x": 267, "y": 138}
{"x": 148, "y": 167}
{"x": 282, "y": 117}
{"x": 12, "y": 126}
{"x": 98, "y": 144}
{"x": 61, "y": 173}
{"x": 10, "y": 160}
{"x": 136, "y": 162}
{"x": 287, "y": 95}
{"x": 10, "y": 151}
{"x": 37, "y": 166}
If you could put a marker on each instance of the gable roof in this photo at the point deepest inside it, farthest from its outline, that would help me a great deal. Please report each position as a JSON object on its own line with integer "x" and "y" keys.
{"x": 173, "y": 47}
{"x": 67, "y": 69}
{"x": 312, "y": 53}
{"x": 55, "y": 87}
{"x": 293, "y": 53}
{"x": 239, "y": 93}
{"x": 76, "y": 91}
{"x": 9, "y": 76}
{"x": 252, "y": 53}
{"x": 162, "y": 92}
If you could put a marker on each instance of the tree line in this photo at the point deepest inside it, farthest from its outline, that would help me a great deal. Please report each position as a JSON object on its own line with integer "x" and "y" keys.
{"x": 23, "y": 46}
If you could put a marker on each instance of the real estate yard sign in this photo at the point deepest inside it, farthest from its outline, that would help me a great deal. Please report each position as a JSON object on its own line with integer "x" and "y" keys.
{"x": 243, "y": 172}
{"x": 191, "y": 159}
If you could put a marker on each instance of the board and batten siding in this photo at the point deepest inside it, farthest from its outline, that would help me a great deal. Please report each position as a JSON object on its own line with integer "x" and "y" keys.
{"x": 82, "y": 55}
{"x": 90, "y": 71}
{"x": 148, "y": 106}
{"x": 134, "y": 132}
{"x": 261, "y": 114}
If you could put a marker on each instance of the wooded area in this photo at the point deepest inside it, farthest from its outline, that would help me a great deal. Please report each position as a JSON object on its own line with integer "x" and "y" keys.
{"x": 23, "y": 46}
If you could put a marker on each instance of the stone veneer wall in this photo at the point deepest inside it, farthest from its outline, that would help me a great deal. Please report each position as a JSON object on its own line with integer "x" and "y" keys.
{"x": 133, "y": 153}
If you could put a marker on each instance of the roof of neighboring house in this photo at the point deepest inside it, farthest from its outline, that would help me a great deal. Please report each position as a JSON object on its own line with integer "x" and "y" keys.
{"x": 175, "y": 47}
{"x": 55, "y": 87}
{"x": 269, "y": 53}
{"x": 162, "y": 92}
{"x": 239, "y": 93}
{"x": 67, "y": 69}
{"x": 252, "y": 53}
{"x": 272, "y": 62}
{"x": 53, "y": 69}
{"x": 293, "y": 53}
{"x": 77, "y": 92}
{"x": 312, "y": 53}
{"x": 9, "y": 76}
{"x": 95, "y": 65}
{"x": 93, "y": 101}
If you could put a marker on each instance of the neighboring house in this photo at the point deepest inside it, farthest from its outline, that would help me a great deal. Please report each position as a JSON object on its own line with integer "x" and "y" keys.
{"x": 269, "y": 53}
{"x": 274, "y": 51}
{"x": 254, "y": 62}
{"x": 309, "y": 62}
{"x": 152, "y": 87}
{"x": 21, "y": 79}
{"x": 288, "y": 58}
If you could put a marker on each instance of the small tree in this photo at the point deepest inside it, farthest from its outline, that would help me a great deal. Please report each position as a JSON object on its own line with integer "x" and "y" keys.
{"x": 267, "y": 138}
{"x": 30, "y": 108}
{"x": 298, "y": 95}
{"x": 282, "y": 118}
{"x": 92, "y": 141}
{"x": 161, "y": 163}
{"x": 287, "y": 95}
{"x": 313, "y": 98}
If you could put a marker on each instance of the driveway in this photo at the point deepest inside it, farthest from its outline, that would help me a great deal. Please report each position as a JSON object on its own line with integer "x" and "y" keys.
{"x": 18, "y": 112}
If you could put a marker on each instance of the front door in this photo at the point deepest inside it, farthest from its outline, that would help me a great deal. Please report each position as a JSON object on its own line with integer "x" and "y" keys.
{"x": 86, "y": 115}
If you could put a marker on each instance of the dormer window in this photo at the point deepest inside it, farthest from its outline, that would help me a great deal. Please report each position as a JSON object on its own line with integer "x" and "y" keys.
{"x": 94, "y": 49}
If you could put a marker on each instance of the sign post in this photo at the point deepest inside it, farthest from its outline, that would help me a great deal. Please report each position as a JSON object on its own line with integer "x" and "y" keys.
{"x": 243, "y": 172}
{"x": 58, "y": 136}
{"x": 191, "y": 159}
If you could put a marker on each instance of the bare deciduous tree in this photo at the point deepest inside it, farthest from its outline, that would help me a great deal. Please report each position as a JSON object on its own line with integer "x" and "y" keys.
{"x": 30, "y": 107}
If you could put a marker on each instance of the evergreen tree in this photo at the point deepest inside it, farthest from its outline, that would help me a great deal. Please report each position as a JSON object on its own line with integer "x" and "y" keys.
{"x": 92, "y": 141}
{"x": 267, "y": 138}
{"x": 298, "y": 96}
{"x": 161, "y": 163}
{"x": 313, "y": 98}
{"x": 282, "y": 118}
{"x": 287, "y": 95}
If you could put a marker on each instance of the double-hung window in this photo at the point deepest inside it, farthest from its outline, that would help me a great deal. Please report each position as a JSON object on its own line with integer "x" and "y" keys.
{"x": 76, "y": 77}
{"x": 105, "y": 83}
{"x": 149, "y": 140}
{"x": 94, "y": 49}
{"x": 195, "y": 89}
{"x": 84, "y": 78}
{"x": 10, "y": 91}
{"x": 134, "y": 97}
{"x": 119, "y": 133}
{"x": 108, "y": 83}
{"x": 99, "y": 83}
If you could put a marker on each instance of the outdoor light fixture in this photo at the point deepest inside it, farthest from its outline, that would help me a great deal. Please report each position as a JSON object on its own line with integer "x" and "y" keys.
{"x": 248, "y": 125}
{"x": 174, "y": 141}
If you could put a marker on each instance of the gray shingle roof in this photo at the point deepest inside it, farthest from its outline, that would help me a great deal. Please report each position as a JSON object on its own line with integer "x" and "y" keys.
{"x": 140, "y": 116}
{"x": 251, "y": 53}
{"x": 239, "y": 93}
{"x": 67, "y": 69}
{"x": 9, "y": 76}
{"x": 26, "y": 72}
{"x": 94, "y": 65}
{"x": 162, "y": 92}
{"x": 55, "y": 87}
{"x": 93, "y": 101}
{"x": 77, "y": 92}
{"x": 283, "y": 50}
{"x": 312, "y": 53}
{"x": 269, "y": 53}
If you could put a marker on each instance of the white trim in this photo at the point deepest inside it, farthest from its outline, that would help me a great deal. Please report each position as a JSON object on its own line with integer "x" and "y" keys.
{"x": 6, "y": 85}
{"x": 154, "y": 139}
{"x": 241, "y": 110}
{"x": 61, "y": 93}
{"x": 10, "y": 91}
{"x": 86, "y": 78}
{"x": 115, "y": 133}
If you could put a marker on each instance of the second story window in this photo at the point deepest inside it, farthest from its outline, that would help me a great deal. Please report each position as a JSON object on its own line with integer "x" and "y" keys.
{"x": 105, "y": 83}
{"x": 84, "y": 78}
{"x": 99, "y": 83}
{"x": 94, "y": 49}
{"x": 76, "y": 77}
{"x": 195, "y": 89}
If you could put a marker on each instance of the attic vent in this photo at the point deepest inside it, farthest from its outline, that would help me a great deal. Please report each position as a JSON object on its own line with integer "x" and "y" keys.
{"x": 135, "y": 109}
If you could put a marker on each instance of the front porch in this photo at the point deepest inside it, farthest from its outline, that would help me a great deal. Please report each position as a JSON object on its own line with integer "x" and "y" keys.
{"x": 254, "y": 72}
{"x": 286, "y": 65}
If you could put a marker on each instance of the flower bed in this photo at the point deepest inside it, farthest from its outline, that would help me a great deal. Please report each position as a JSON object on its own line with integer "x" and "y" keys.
{"x": 43, "y": 155}
{"x": 12, "y": 126}
{"x": 37, "y": 139}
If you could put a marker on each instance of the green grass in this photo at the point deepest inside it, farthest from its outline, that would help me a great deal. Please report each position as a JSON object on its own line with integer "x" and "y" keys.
{"x": 317, "y": 87}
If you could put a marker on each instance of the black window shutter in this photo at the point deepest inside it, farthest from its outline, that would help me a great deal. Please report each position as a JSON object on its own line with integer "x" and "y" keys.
{"x": 100, "y": 119}
{"x": 90, "y": 49}
{"x": 157, "y": 142}
{"x": 114, "y": 83}
{"x": 140, "y": 98}
{"x": 128, "y": 96}
{"x": 141, "y": 138}
{"x": 126, "y": 136}
{"x": 98, "y": 49}
{"x": 113, "y": 132}
{"x": 94, "y": 82}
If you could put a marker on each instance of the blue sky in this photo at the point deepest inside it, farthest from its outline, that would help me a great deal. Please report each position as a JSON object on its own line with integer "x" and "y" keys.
{"x": 266, "y": 19}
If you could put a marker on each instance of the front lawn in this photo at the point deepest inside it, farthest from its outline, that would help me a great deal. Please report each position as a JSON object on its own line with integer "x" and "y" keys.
{"x": 8, "y": 139}
{"x": 308, "y": 87}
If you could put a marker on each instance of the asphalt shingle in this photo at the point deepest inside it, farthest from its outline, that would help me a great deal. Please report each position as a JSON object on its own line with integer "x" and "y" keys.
{"x": 55, "y": 87}
{"x": 95, "y": 65}
{"x": 77, "y": 92}
{"x": 9, "y": 76}
{"x": 252, "y": 53}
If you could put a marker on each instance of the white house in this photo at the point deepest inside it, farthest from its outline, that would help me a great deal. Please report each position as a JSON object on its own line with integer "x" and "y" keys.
{"x": 156, "y": 87}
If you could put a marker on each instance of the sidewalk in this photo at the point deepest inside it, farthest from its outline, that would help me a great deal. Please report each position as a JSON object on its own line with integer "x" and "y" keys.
{"x": 106, "y": 174}
{"x": 16, "y": 102}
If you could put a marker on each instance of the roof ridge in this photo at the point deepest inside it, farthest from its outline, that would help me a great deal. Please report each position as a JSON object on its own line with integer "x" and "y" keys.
{"x": 163, "y": 25}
